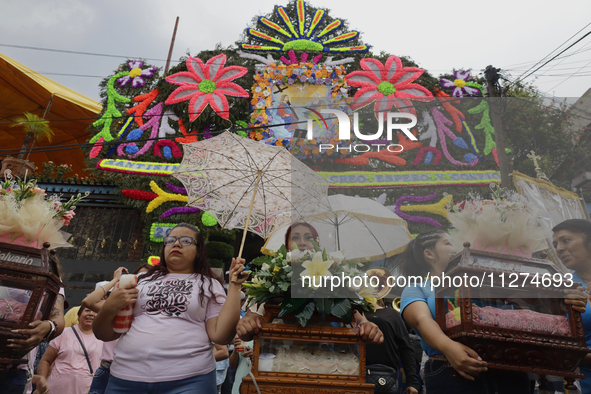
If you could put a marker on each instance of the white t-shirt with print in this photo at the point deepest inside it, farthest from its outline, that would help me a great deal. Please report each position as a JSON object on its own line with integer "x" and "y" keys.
{"x": 167, "y": 339}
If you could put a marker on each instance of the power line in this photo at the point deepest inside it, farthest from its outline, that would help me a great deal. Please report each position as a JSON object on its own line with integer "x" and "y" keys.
{"x": 545, "y": 57}
{"x": 79, "y": 52}
{"x": 570, "y": 46}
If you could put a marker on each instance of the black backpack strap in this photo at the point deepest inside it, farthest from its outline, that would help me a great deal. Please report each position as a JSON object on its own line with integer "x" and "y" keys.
{"x": 83, "y": 348}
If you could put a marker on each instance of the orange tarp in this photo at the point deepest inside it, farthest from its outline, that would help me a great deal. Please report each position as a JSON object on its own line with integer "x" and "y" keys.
{"x": 24, "y": 90}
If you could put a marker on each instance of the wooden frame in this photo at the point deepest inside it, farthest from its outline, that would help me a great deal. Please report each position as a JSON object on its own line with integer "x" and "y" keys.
{"x": 305, "y": 383}
{"x": 511, "y": 349}
{"x": 37, "y": 272}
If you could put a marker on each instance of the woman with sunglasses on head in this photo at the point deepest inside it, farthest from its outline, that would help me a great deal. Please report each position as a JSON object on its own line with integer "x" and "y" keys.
{"x": 180, "y": 309}
{"x": 430, "y": 253}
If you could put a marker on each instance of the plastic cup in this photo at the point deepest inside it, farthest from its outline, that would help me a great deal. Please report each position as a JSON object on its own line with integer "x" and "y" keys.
{"x": 240, "y": 348}
{"x": 124, "y": 316}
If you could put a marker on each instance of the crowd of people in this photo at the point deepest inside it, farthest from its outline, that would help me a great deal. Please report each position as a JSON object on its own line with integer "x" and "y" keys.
{"x": 190, "y": 334}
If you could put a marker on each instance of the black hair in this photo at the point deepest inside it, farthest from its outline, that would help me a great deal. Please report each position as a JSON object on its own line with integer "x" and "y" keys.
{"x": 580, "y": 226}
{"x": 200, "y": 264}
{"x": 413, "y": 258}
{"x": 140, "y": 267}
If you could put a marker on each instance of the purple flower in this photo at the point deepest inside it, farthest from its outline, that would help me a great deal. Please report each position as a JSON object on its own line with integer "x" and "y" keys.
{"x": 303, "y": 78}
{"x": 136, "y": 74}
{"x": 460, "y": 85}
{"x": 290, "y": 81}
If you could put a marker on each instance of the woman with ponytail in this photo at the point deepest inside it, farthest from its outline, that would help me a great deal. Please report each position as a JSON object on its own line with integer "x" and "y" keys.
{"x": 428, "y": 255}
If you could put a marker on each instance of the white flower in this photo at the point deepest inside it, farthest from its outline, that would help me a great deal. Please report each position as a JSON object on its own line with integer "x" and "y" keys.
{"x": 316, "y": 268}
{"x": 295, "y": 255}
{"x": 337, "y": 256}
{"x": 265, "y": 267}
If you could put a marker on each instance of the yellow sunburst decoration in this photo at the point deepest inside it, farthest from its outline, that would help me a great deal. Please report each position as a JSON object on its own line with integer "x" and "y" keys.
{"x": 300, "y": 36}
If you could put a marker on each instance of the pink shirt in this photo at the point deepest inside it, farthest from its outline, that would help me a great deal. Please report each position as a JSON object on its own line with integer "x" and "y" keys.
{"x": 108, "y": 348}
{"x": 168, "y": 339}
{"x": 70, "y": 373}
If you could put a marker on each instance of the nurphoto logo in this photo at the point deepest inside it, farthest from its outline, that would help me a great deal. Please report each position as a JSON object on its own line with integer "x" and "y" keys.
{"x": 345, "y": 130}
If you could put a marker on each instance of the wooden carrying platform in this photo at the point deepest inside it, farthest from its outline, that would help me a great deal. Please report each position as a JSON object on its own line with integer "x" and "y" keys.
{"x": 329, "y": 359}
{"x": 531, "y": 328}
{"x": 35, "y": 272}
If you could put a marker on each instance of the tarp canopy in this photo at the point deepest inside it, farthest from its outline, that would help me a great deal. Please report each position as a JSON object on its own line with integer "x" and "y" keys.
{"x": 24, "y": 90}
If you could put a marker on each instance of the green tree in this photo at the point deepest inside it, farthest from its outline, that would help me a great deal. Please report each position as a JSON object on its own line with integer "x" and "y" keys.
{"x": 36, "y": 129}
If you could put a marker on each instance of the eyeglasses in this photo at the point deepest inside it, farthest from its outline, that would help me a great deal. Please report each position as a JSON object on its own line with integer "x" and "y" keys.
{"x": 185, "y": 241}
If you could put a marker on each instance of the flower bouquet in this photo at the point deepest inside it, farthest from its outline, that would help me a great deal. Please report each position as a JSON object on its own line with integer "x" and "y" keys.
{"x": 309, "y": 273}
{"x": 27, "y": 218}
{"x": 506, "y": 224}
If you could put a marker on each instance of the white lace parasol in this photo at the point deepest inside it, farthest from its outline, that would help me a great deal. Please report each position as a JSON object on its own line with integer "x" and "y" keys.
{"x": 249, "y": 184}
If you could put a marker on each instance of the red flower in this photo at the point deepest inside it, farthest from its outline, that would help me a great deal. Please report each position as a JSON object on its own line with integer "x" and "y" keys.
{"x": 207, "y": 84}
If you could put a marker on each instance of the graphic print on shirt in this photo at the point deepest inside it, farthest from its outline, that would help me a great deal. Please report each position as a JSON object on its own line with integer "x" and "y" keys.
{"x": 169, "y": 297}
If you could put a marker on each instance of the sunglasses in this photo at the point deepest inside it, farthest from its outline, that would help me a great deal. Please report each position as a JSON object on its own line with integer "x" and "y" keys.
{"x": 184, "y": 241}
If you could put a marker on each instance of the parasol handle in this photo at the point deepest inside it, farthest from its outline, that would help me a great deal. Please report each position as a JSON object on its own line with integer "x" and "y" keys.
{"x": 249, "y": 213}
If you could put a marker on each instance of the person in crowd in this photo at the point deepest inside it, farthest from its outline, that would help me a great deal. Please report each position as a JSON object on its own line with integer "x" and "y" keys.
{"x": 572, "y": 241}
{"x": 94, "y": 301}
{"x": 430, "y": 252}
{"x": 221, "y": 355}
{"x": 396, "y": 349}
{"x": 180, "y": 309}
{"x": 303, "y": 236}
{"x": 231, "y": 372}
{"x": 241, "y": 361}
{"x": 15, "y": 381}
{"x": 75, "y": 355}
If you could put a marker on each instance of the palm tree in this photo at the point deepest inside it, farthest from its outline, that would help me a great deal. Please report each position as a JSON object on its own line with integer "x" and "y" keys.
{"x": 35, "y": 128}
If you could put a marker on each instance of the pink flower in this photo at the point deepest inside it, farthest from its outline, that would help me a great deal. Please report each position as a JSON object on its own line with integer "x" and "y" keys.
{"x": 207, "y": 84}
{"x": 67, "y": 217}
{"x": 389, "y": 86}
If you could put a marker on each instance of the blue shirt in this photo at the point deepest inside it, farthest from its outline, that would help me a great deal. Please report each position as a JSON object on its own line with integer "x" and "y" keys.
{"x": 586, "y": 318}
{"x": 420, "y": 293}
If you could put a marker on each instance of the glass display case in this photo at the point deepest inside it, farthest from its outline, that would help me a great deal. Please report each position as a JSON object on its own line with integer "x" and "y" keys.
{"x": 29, "y": 285}
{"x": 512, "y": 311}
{"x": 324, "y": 355}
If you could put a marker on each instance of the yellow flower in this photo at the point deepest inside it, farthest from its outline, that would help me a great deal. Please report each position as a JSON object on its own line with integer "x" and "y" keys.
{"x": 276, "y": 270}
{"x": 316, "y": 268}
{"x": 368, "y": 295}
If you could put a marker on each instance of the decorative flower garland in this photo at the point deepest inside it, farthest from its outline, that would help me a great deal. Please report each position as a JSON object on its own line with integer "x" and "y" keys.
{"x": 179, "y": 211}
{"x": 160, "y": 230}
{"x": 277, "y": 75}
{"x": 154, "y": 260}
{"x": 136, "y": 75}
{"x": 489, "y": 130}
{"x": 163, "y": 197}
{"x": 460, "y": 85}
{"x": 111, "y": 111}
{"x": 137, "y": 167}
{"x": 370, "y": 179}
{"x": 300, "y": 38}
{"x": 437, "y": 209}
{"x": 205, "y": 84}
{"x": 144, "y": 101}
{"x": 154, "y": 115}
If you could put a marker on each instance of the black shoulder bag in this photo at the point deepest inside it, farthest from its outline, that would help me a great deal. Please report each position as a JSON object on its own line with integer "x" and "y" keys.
{"x": 83, "y": 348}
{"x": 384, "y": 377}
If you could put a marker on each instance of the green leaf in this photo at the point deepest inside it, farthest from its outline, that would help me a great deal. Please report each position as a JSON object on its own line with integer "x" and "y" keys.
{"x": 324, "y": 306}
{"x": 284, "y": 286}
{"x": 282, "y": 250}
{"x": 342, "y": 309}
{"x": 306, "y": 313}
{"x": 291, "y": 305}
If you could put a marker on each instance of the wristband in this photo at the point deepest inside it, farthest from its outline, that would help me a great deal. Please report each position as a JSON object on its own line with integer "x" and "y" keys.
{"x": 52, "y": 331}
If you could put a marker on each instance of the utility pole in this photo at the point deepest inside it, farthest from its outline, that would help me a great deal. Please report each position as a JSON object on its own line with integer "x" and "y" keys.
{"x": 171, "y": 46}
{"x": 492, "y": 77}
